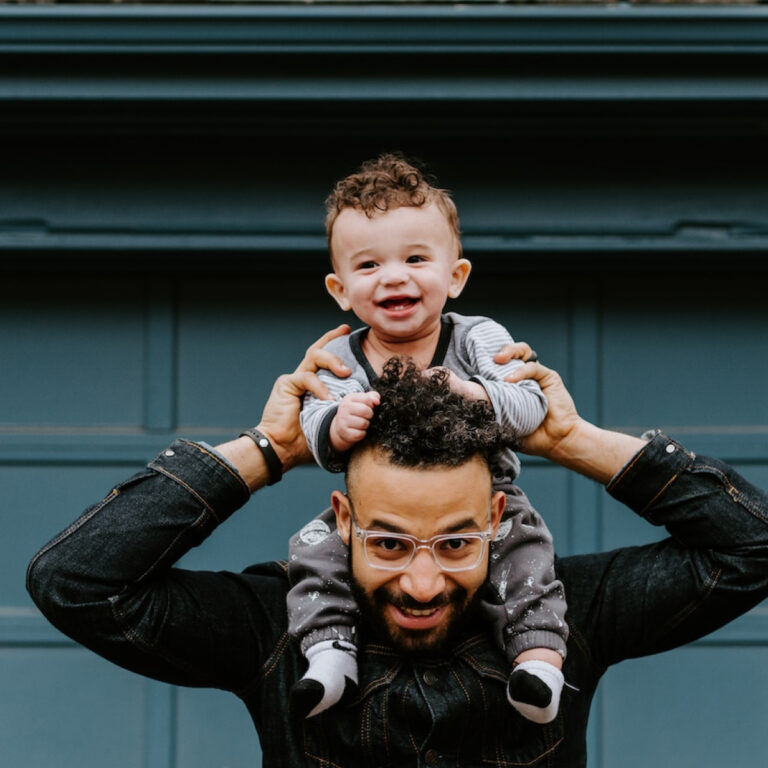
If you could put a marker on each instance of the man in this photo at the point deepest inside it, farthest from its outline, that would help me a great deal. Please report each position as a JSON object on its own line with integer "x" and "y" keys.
{"x": 432, "y": 684}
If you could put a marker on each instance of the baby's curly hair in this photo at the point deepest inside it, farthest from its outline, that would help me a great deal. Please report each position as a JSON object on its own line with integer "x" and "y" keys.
{"x": 421, "y": 422}
{"x": 388, "y": 181}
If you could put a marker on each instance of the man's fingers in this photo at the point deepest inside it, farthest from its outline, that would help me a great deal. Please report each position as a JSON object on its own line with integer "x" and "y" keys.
{"x": 531, "y": 370}
{"x": 316, "y": 357}
{"x": 339, "y": 330}
{"x": 519, "y": 350}
{"x": 306, "y": 381}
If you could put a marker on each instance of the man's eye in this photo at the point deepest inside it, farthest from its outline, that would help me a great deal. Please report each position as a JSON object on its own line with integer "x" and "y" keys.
{"x": 387, "y": 544}
{"x": 454, "y": 545}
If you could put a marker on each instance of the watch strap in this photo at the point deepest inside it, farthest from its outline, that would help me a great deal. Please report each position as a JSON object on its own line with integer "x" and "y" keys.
{"x": 274, "y": 465}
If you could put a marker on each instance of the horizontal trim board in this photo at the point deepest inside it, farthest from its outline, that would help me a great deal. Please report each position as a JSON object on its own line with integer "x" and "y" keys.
{"x": 316, "y": 87}
{"x": 403, "y": 27}
{"x": 26, "y": 627}
{"x": 73, "y": 446}
{"x": 254, "y": 244}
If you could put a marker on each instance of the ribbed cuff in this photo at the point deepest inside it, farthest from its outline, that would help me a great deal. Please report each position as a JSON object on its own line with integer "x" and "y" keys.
{"x": 536, "y": 638}
{"x": 338, "y": 632}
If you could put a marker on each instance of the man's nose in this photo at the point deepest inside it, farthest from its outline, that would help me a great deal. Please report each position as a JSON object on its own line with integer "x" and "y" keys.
{"x": 423, "y": 580}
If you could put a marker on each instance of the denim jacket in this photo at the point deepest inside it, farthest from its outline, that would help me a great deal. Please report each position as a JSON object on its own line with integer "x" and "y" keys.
{"x": 108, "y": 582}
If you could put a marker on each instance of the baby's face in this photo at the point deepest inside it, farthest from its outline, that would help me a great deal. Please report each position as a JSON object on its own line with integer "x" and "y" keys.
{"x": 396, "y": 270}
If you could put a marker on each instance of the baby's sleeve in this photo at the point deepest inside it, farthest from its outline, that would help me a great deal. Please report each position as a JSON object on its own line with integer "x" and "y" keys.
{"x": 317, "y": 415}
{"x": 521, "y": 406}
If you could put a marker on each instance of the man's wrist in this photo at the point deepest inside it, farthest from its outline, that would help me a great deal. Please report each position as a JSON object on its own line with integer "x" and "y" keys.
{"x": 272, "y": 460}
{"x": 597, "y": 453}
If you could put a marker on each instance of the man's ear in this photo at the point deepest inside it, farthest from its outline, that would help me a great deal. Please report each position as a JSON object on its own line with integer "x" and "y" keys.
{"x": 335, "y": 286}
{"x": 459, "y": 275}
{"x": 340, "y": 504}
{"x": 498, "y": 503}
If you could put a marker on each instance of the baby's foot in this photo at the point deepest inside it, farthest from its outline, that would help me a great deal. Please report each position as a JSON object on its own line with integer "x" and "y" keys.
{"x": 332, "y": 675}
{"x": 534, "y": 689}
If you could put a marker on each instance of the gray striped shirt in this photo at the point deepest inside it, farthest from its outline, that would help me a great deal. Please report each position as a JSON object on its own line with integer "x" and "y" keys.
{"x": 467, "y": 346}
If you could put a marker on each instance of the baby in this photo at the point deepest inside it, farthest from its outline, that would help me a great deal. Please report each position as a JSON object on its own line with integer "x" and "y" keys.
{"x": 396, "y": 258}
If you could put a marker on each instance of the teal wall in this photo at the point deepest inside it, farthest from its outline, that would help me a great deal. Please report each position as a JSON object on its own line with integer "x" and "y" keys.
{"x": 84, "y": 376}
{"x": 161, "y": 261}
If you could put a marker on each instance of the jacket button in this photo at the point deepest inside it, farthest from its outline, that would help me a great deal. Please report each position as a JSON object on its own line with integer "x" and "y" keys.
{"x": 430, "y": 678}
{"x": 431, "y": 757}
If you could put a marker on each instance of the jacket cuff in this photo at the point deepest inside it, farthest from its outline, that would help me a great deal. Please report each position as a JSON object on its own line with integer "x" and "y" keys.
{"x": 204, "y": 474}
{"x": 645, "y": 478}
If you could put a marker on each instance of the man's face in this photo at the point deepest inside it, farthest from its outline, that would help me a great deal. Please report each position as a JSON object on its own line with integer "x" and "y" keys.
{"x": 420, "y": 606}
{"x": 396, "y": 270}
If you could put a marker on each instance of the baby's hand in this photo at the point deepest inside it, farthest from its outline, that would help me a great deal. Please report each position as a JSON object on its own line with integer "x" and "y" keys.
{"x": 469, "y": 389}
{"x": 351, "y": 421}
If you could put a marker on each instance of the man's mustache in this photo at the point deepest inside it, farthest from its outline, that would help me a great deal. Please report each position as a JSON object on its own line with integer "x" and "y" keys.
{"x": 405, "y": 601}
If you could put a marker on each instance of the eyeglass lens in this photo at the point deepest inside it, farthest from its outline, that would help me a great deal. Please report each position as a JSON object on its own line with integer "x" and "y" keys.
{"x": 451, "y": 552}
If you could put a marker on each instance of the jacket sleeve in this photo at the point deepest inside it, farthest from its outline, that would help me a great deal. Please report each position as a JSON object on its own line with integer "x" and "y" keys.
{"x": 108, "y": 580}
{"x": 712, "y": 567}
{"x": 521, "y": 406}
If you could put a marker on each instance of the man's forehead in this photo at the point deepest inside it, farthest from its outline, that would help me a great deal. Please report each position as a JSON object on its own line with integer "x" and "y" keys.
{"x": 379, "y": 487}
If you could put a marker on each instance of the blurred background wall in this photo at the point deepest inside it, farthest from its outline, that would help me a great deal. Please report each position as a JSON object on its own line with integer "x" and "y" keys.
{"x": 161, "y": 261}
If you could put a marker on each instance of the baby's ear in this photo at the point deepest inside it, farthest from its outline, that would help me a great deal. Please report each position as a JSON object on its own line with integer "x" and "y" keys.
{"x": 335, "y": 286}
{"x": 459, "y": 275}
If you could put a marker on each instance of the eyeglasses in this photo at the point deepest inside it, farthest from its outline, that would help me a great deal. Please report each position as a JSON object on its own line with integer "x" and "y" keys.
{"x": 394, "y": 551}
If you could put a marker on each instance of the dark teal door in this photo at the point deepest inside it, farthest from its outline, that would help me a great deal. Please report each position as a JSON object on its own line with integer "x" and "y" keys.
{"x": 161, "y": 261}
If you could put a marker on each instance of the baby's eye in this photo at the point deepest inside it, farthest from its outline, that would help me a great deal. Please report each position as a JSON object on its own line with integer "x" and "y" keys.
{"x": 366, "y": 265}
{"x": 415, "y": 259}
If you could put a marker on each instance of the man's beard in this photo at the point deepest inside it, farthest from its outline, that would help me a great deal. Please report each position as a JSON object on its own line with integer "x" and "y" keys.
{"x": 373, "y": 605}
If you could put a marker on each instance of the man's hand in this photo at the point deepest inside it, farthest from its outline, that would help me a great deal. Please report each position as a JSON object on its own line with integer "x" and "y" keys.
{"x": 518, "y": 350}
{"x": 280, "y": 419}
{"x": 352, "y": 418}
{"x": 566, "y": 438}
{"x": 561, "y": 419}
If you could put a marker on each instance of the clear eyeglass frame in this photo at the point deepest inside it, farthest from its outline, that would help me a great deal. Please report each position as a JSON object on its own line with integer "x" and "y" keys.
{"x": 363, "y": 534}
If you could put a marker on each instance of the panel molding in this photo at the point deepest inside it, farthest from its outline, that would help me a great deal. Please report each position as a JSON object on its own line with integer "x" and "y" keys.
{"x": 60, "y": 446}
{"x": 390, "y": 27}
{"x": 17, "y": 246}
{"x": 26, "y": 626}
{"x": 160, "y": 363}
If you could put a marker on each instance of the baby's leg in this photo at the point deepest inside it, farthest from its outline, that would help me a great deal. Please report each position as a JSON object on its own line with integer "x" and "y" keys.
{"x": 527, "y": 608}
{"x": 321, "y": 615}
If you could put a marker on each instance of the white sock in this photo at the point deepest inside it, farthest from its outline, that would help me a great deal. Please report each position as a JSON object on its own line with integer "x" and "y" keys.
{"x": 331, "y": 663}
{"x": 537, "y": 686}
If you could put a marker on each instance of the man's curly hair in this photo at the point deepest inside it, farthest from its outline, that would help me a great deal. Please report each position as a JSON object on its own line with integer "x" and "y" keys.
{"x": 421, "y": 422}
{"x": 386, "y": 182}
